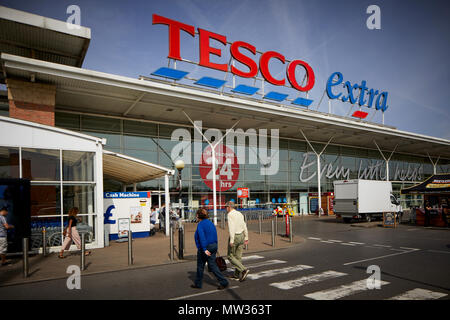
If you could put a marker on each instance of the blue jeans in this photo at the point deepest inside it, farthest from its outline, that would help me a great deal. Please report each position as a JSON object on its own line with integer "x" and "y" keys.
{"x": 202, "y": 258}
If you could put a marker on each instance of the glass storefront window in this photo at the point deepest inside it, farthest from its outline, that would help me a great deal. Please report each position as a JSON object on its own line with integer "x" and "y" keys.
{"x": 139, "y": 143}
{"x": 40, "y": 164}
{"x": 141, "y": 128}
{"x": 67, "y": 120}
{"x": 45, "y": 200}
{"x": 79, "y": 196}
{"x": 9, "y": 162}
{"x": 100, "y": 123}
{"x": 78, "y": 166}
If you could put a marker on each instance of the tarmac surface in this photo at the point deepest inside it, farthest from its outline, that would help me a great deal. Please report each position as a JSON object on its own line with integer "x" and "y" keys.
{"x": 150, "y": 251}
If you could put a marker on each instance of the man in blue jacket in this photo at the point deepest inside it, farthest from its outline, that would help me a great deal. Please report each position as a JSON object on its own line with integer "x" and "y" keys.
{"x": 206, "y": 241}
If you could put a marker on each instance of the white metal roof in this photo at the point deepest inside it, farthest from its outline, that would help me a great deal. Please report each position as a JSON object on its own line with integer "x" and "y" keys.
{"x": 30, "y": 35}
{"x": 26, "y": 134}
{"x": 88, "y": 91}
{"x": 131, "y": 170}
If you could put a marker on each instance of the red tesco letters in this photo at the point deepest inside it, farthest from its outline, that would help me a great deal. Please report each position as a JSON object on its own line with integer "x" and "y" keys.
{"x": 206, "y": 50}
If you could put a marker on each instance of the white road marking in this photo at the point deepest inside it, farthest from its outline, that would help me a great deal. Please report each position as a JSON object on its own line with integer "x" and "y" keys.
{"x": 265, "y": 263}
{"x": 311, "y": 238}
{"x": 341, "y": 291}
{"x": 356, "y": 242}
{"x": 406, "y": 248}
{"x": 335, "y": 240}
{"x": 381, "y": 245}
{"x": 419, "y": 294}
{"x": 246, "y": 258}
{"x": 202, "y": 293}
{"x": 348, "y": 244}
{"x": 275, "y": 272}
{"x": 381, "y": 257}
{"x": 290, "y": 284}
{"x": 327, "y": 241}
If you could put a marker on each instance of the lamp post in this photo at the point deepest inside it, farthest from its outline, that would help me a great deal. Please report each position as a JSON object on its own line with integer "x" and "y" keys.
{"x": 179, "y": 165}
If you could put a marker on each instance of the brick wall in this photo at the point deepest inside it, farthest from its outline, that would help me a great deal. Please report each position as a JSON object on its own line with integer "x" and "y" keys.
{"x": 31, "y": 101}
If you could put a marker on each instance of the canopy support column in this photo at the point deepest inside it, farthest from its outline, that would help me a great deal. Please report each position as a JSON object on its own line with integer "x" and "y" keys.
{"x": 386, "y": 160}
{"x": 167, "y": 199}
{"x": 214, "y": 169}
{"x": 319, "y": 192}
{"x": 433, "y": 163}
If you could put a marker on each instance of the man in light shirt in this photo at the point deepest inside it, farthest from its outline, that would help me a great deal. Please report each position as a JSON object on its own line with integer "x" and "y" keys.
{"x": 238, "y": 237}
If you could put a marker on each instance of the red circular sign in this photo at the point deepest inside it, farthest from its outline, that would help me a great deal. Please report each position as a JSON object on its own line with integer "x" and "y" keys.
{"x": 227, "y": 168}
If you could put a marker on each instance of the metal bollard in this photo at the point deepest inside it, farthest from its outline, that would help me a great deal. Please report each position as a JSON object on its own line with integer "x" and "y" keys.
{"x": 290, "y": 229}
{"x": 83, "y": 252}
{"x": 130, "y": 248}
{"x": 260, "y": 223}
{"x": 273, "y": 233}
{"x": 180, "y": 243}
{"x": 276, "y": 224}
{"x": 26, "y": 268}
{"x": 44, "y": 242}
{"x": 171, "y": 242}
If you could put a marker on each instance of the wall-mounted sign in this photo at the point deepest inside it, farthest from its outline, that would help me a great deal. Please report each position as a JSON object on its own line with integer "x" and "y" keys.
{"x": 227, "y": 168}
{"x": 243, "y": 193}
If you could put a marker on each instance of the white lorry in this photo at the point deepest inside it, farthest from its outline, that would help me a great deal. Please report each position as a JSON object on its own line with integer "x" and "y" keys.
{"x": 364, "y": 199}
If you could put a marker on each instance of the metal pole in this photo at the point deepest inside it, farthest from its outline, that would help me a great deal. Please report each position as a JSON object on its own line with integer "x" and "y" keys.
{"x": 276, "y": 224}
{"x": 44, "y": 242}
{"x": 171, "y": 240}
{"x": 213, "y": 148}
{"x": 130, "y": 248}
{"x": 83, "y": 251}
{"x": 290, "y": 229}
{"x": 273, "y": 233}
{"x": 260, "y": 223}
{"x": 319, "y": 200}
{"x": 25, "y": 258}
{"x": 180, "y": 243}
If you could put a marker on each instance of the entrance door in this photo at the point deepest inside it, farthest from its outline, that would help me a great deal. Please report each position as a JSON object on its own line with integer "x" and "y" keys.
{"x": 303, "y": 203}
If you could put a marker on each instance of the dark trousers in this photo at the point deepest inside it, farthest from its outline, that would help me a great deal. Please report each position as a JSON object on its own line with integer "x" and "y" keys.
{"x": 202, "y": 258}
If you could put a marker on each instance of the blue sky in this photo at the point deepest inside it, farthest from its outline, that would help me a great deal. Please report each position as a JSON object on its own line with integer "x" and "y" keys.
{"x": 408, "y": 57}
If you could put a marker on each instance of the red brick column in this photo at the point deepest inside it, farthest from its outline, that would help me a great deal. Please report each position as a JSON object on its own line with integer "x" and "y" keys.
{"x": 31, "y": 101}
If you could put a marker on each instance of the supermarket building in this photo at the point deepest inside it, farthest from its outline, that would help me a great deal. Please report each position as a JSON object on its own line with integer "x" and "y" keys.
{"x": 77, "y": 133}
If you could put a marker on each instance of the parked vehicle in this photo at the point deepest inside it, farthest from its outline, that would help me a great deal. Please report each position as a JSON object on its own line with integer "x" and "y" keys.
{"x": 364, "y": 199}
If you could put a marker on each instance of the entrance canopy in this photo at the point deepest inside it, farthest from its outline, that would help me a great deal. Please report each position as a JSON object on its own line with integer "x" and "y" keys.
{"x": 96, "y": 93}
{"x": 131, "y": 170}
{"x": 438, "y": 183}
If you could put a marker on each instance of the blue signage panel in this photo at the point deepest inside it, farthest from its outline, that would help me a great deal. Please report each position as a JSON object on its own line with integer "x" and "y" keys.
{"x": 126, "y": 195}
{"x": 170, "y": 73}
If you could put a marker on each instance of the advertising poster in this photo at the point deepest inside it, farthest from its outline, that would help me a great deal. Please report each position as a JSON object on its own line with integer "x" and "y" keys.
{"x": 134, "y": 207}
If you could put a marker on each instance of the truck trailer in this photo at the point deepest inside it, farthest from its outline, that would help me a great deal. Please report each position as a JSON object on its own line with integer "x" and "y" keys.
{"x": 364, "y": 199}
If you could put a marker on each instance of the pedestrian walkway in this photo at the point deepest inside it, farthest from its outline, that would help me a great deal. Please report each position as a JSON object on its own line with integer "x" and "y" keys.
{"x": 146, "y": 252}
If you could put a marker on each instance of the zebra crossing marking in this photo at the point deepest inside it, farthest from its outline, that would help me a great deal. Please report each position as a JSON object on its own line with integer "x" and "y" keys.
{"x": 290, "y": 284}
{"x": 341, "y": 291}
{"x": 419, "y": 294}
{"x": 275, "y": 272}
{"x": 247, "y": 258}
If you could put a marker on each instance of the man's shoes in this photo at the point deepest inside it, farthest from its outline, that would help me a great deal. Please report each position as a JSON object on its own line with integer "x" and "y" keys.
{"x": 234, "y": 277}
{"x": 244, "y": 275}
{"x": 195, "y": 286}
{"x": 221, "y": 287}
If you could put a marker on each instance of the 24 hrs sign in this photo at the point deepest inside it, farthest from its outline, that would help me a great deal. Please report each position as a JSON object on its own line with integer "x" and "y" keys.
{"x": 227, "y": 168}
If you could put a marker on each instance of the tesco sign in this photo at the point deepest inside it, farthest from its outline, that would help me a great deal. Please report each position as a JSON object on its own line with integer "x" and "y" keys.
{"x": 241, "y": 51}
